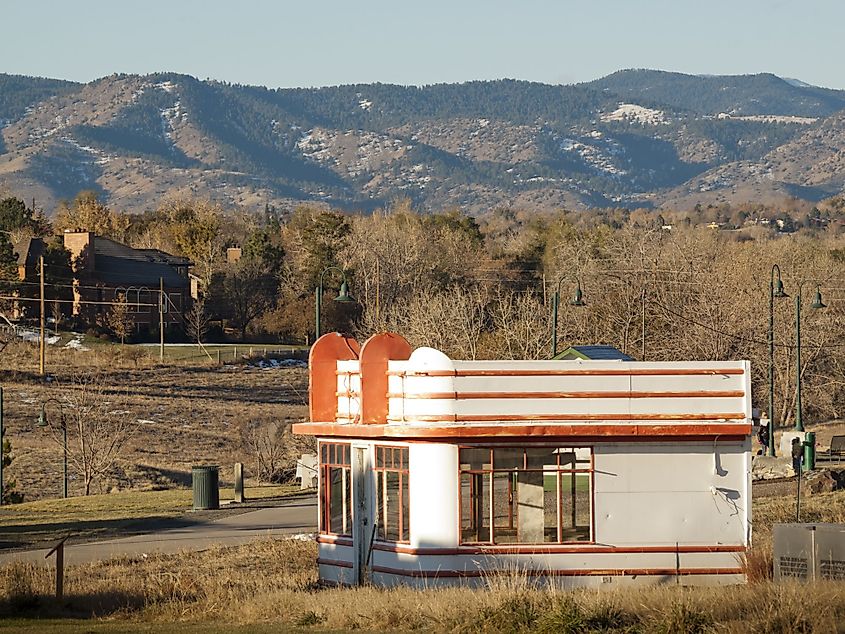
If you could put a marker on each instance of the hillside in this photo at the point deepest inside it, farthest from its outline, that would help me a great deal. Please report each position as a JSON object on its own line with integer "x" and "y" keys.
{"x": 634, "y": 138}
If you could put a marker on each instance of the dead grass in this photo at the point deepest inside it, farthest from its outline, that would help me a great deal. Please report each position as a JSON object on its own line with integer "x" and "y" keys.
{"x": 186, "y": 414}
{"x": 275, "y": 582}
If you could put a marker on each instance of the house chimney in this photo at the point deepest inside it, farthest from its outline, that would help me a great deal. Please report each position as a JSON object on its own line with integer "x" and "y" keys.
{"x": 81, "y": 247}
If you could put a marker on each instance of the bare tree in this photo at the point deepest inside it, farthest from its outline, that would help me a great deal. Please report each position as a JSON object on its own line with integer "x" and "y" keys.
{"x": 98, "y": 426}
{"x": 265, "y": 440}
{"x": 196, "y": 321}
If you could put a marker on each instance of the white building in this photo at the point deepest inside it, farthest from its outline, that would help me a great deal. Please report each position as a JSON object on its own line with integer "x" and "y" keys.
{"x": 435, "y": 471}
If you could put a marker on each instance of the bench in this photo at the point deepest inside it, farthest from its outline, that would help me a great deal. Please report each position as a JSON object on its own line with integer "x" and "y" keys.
{"x": 837, "y": 447}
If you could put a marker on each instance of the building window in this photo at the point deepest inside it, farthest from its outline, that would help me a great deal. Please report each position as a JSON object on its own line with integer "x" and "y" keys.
{"x": 144, "y": 300}
{"x": 392, "y": 493}
{"x": 335, "y": 489}
{"x": 525, "y": 495}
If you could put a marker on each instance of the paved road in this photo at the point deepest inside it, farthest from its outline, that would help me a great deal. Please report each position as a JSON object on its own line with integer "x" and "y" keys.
{"x": 296, "y": 517}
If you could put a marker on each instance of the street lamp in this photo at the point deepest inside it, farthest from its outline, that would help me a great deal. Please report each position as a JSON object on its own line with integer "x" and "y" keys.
{"x": 577, "y": 300}
{"x": 44, "y": 422}
{"x": 343, "y": 296}
{"x": 816, "y": 305}
{"x": 775, "y": 290}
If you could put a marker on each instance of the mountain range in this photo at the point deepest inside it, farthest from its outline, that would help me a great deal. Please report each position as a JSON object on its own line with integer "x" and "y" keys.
{"x": 636, "y": 138}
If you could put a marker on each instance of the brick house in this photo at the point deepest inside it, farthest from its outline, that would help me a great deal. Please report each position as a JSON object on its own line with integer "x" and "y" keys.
{"x": 104, "y": 269}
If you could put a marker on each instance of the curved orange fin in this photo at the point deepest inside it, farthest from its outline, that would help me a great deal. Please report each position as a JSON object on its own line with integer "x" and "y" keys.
{"x": 322, "y": 373}
{"x": 375, "y": 353}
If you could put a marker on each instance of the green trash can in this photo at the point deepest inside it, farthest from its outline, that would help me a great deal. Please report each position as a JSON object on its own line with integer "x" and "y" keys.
{"x": 205, "y": 480}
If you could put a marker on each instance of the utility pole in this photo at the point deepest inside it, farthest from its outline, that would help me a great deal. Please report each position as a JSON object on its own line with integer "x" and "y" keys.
{"x": 161, "y": 319}
{"x": 2, "y": 489}
{"x": 43, "y": 320}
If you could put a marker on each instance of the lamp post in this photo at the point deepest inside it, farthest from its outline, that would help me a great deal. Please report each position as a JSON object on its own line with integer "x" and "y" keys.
{"x": 43, "y": 421}
{"x": 343, "y": 296}
{"x": 816, "y": 305}
{"x": 577, "y": 300}
{"x": 775, "y": 290}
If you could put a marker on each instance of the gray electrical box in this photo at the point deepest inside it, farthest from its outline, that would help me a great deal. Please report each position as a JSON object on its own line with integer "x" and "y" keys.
{"x": 809, "y": 552}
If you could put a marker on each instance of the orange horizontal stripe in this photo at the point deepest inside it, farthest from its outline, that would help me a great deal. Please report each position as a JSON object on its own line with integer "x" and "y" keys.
{"x": 612, "y": 572}
{"x": 576, "y": 372}
{"x": 471, "y": 418}
{"x": 334, "y": 540}
{"x": 554, "y": 549}
{"x": 598, "y": 432}
{"x": 622, "y": 394}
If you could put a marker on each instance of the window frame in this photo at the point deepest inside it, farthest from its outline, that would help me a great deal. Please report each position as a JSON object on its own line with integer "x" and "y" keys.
{"x": 403, "y": 500}
{"x": 491, "y": 473}
{"x": 327, "y": 453}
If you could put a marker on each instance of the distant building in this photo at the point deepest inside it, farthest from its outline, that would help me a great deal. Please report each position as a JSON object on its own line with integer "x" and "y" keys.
{"x": 592, "y": 353}
{"x": 27, "y": 251}
{"x": 104, "y": 269}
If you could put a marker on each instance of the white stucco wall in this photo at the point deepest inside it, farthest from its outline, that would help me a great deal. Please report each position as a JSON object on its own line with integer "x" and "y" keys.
{"x": 690, "y": 493}
{"x": 433, "y": 487}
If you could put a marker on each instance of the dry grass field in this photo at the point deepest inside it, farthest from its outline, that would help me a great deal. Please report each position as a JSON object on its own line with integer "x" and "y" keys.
{"x": 272, "y": 586}
{"x": 187, "y": 411}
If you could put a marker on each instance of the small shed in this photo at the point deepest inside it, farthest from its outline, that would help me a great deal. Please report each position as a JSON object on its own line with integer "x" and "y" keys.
{"x": 436, "y": 471}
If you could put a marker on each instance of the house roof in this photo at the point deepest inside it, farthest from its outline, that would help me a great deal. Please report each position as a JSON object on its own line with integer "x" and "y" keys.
{"x": 593, "y": 353}
{"x": 118, "y": 264}
{"x": 28, "y": 250}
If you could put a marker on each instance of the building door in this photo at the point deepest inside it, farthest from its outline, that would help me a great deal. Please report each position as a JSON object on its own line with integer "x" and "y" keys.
{"x": 363, "y": 526}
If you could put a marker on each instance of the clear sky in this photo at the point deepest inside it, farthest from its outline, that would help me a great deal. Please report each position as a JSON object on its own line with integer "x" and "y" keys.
{"x": 327, "y": 42}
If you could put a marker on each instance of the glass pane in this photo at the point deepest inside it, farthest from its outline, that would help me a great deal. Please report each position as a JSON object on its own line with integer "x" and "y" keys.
{"x": 583, "y": 455}
{"x": 379, "y": 457}
{"x": 566, "y": 455}
{"x": 403, "y": 458}
{"x": 508, "y": 458}
{"x": 381, "y": 496}
{"x": 391, "y": 502}
{"x": 550, "y": 506}
{"x": 475, "y": 508}
{"x": 406, "y": 523}
{"x": 347, "y": 474}
{"x": 540, "y": 457}
{"x": 575, "y": 506}
{"x": 474, "y": 458}
{"x": 469, "y": 529}
{"x": 504, "y": 508}
{"x": 336, "y": 500}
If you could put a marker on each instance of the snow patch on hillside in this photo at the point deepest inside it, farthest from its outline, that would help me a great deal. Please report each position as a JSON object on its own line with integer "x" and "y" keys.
{"x": 170, "y": 117}
{"x": 600, "y": 156}
{"x": 101, "y": 158}
{"x": 633, "y": 113}
{"x": 362, "y": 154}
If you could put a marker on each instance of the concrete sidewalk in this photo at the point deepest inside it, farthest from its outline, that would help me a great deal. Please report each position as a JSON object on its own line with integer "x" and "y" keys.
{"x": 297, "y": 516}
